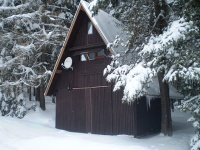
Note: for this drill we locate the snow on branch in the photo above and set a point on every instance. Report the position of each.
(25, 49)
(176, 31)
(132, 78)
(5, 7)
(170, 51)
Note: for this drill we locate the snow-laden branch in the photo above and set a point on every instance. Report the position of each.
(5, 7)
(176, 31)
(8, 63)
(25, 49)
(191, 104)
(164, 52)
(132, 78)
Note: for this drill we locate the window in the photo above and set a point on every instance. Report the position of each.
(83, 57)
(90, 28)
(89, 56)
(101, 53)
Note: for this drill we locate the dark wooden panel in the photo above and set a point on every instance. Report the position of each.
(89, 74)
(81, 80)
(66, 79)
(67, 99)
(142, 117)
(58, 111)
(63, 109)
(89, 47)
(123, 115)
(101, 111)
(78, 111)
(89, 107)
(155, 115)
(76, 29)
(88, 110)
(83, 38)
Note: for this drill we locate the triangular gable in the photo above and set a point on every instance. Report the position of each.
(107, 27)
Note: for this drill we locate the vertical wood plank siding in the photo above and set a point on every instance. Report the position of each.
(123, 115)
(83, 38)
(95, 109)
(91, 106)
(101, 111)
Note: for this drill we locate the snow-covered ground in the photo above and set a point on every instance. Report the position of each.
(36, 132)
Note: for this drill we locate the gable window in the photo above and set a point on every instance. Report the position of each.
(92, 55)
(90, 28)
(88, 56)
(83, 57)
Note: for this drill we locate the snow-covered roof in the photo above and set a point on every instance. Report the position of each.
(107, 26)
(154, 91)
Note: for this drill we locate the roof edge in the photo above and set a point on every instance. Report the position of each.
(63, 48)
(82, 6)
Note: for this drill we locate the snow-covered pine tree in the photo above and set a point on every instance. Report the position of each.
(168, 49)
(32, 34)
(141, 19)
(190, 83)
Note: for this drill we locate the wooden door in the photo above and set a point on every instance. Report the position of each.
(141, 117)
(123, 115)
(78, 111)
(101, 111)
(63, 109)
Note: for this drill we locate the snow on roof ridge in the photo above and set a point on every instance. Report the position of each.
(108, 25)
(95, 22)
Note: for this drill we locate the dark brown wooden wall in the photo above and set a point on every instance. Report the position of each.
(83, 38)
(123, 115)
(85, 101)
(91, 106)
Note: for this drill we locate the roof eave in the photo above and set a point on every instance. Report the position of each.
(62, 49)
(83, 7)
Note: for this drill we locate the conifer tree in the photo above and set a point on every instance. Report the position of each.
(32, 34)
(166, 48)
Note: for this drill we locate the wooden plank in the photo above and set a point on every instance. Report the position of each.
(88, 110)
(122, 115)
(142, 117)
(101, 112)
(89, 46)
(59, 71)
(78, 115)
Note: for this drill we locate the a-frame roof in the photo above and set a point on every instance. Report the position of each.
(107, 26)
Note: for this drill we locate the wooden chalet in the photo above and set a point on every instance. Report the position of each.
(85, 102)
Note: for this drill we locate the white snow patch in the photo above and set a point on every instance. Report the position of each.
(1, 25)
(62, 15)
(169, 1)
(176, 31)
(35, 26)
(92, 4)
(36, 132)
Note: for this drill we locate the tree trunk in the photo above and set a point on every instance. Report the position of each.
(42, 98)
(30, 94)
(166, 121)
(37, 94)
(42, 85)
(115, 2)
(34, 91)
